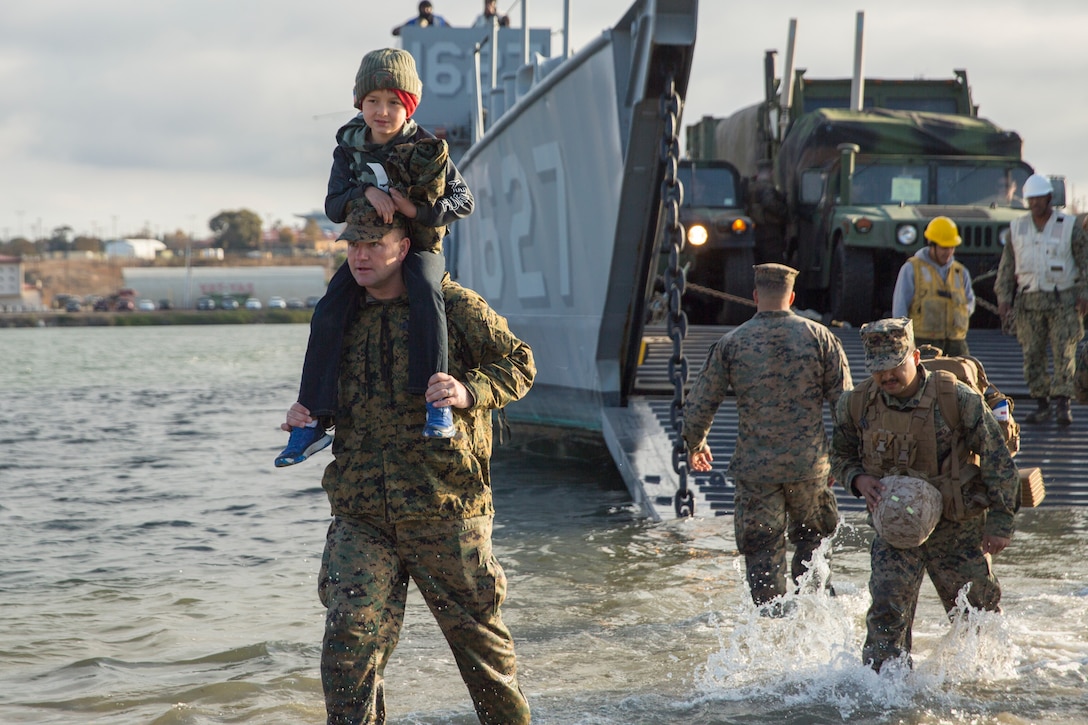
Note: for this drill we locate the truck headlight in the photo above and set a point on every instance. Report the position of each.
(697, 235)
(906, 234)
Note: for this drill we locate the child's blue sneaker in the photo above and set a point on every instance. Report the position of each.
(303, 443)
(439, 422)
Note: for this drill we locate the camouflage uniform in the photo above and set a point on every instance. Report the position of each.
(1046, 317)
(952, 555)
(405, 507)
(1080, 383)
(782, 368)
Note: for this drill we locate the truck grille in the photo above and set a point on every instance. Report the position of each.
(981, 237)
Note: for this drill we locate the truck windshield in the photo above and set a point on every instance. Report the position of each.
(708, 185)
(890, 184)
(965, 184)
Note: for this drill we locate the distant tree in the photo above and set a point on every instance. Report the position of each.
(87, 244)
(176, 241)
(310, 235)
(237, 231)
(60, 240)
(19, 247)
(287, 236)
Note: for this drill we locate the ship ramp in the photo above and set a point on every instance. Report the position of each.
(642, 441)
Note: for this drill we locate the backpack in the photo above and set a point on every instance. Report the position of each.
(962, 499)
(970, 371)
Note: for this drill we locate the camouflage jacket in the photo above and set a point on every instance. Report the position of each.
(383, 467)
(980, 430)
(782, 368)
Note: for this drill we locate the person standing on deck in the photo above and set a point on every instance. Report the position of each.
(1043, 278)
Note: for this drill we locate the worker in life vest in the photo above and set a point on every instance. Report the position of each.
(1043, 280)
(934, 291)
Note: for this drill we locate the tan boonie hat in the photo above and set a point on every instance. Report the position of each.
(366, 225)
(774, 276)
(908, 511)
(888, 343)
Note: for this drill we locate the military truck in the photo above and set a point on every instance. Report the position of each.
(861, 183)
(720, 245)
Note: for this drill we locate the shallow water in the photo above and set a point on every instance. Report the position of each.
(155, 568)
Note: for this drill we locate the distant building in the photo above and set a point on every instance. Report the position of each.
(11, 278)
(134, 248)
(327, 226)
(14, 294)
(182, 288)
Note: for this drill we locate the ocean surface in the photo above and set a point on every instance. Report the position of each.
(155, 568)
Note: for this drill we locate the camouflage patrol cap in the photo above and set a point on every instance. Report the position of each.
(774, 276)
(366, 225)
(887, 342)
(908, 511)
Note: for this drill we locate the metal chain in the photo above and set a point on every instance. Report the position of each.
(672, 194)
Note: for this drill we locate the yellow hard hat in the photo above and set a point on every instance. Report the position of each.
(942, 231)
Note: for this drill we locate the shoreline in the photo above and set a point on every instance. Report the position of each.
(58, 318)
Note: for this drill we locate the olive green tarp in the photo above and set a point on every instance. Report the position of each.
(814, 138)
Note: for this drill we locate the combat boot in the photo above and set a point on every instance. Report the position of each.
(1043, 414)
(1062, 411)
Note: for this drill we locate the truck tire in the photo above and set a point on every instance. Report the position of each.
(739, 282)
(851, 291)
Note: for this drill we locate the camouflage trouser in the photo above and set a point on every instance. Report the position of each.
(952, 555)
(761, 512)
(1042, 318)
(364, 583)
(1080, 382)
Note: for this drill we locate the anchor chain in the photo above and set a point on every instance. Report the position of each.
(672, 194)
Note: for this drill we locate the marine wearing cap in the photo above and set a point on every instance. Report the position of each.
(888, 343)
(774, 277)
(365, 224)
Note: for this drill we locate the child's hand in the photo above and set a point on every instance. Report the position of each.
(298, 416)
(404, 206)
(381, 202)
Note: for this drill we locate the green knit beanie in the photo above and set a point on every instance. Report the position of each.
(390, 68)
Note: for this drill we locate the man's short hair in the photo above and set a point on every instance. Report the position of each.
(774, 278)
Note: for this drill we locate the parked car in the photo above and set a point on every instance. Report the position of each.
(276, 303)
(146, 305)
(73, 305)
(166, 305)
(229, 303)
(295, 303)
(253, 303)
(312, 301)
(125, 304)
(205, 303)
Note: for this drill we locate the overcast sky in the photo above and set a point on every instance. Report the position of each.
(116, 114)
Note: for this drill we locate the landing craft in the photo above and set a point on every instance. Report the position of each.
(564, 157)
(574, 163)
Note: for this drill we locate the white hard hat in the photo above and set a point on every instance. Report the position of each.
(908, 511)
(1037, 185)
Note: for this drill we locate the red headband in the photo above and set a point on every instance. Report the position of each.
(410, 102)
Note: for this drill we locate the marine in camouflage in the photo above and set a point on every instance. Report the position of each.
(952, 555)
(405, 506)
(782, 367)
